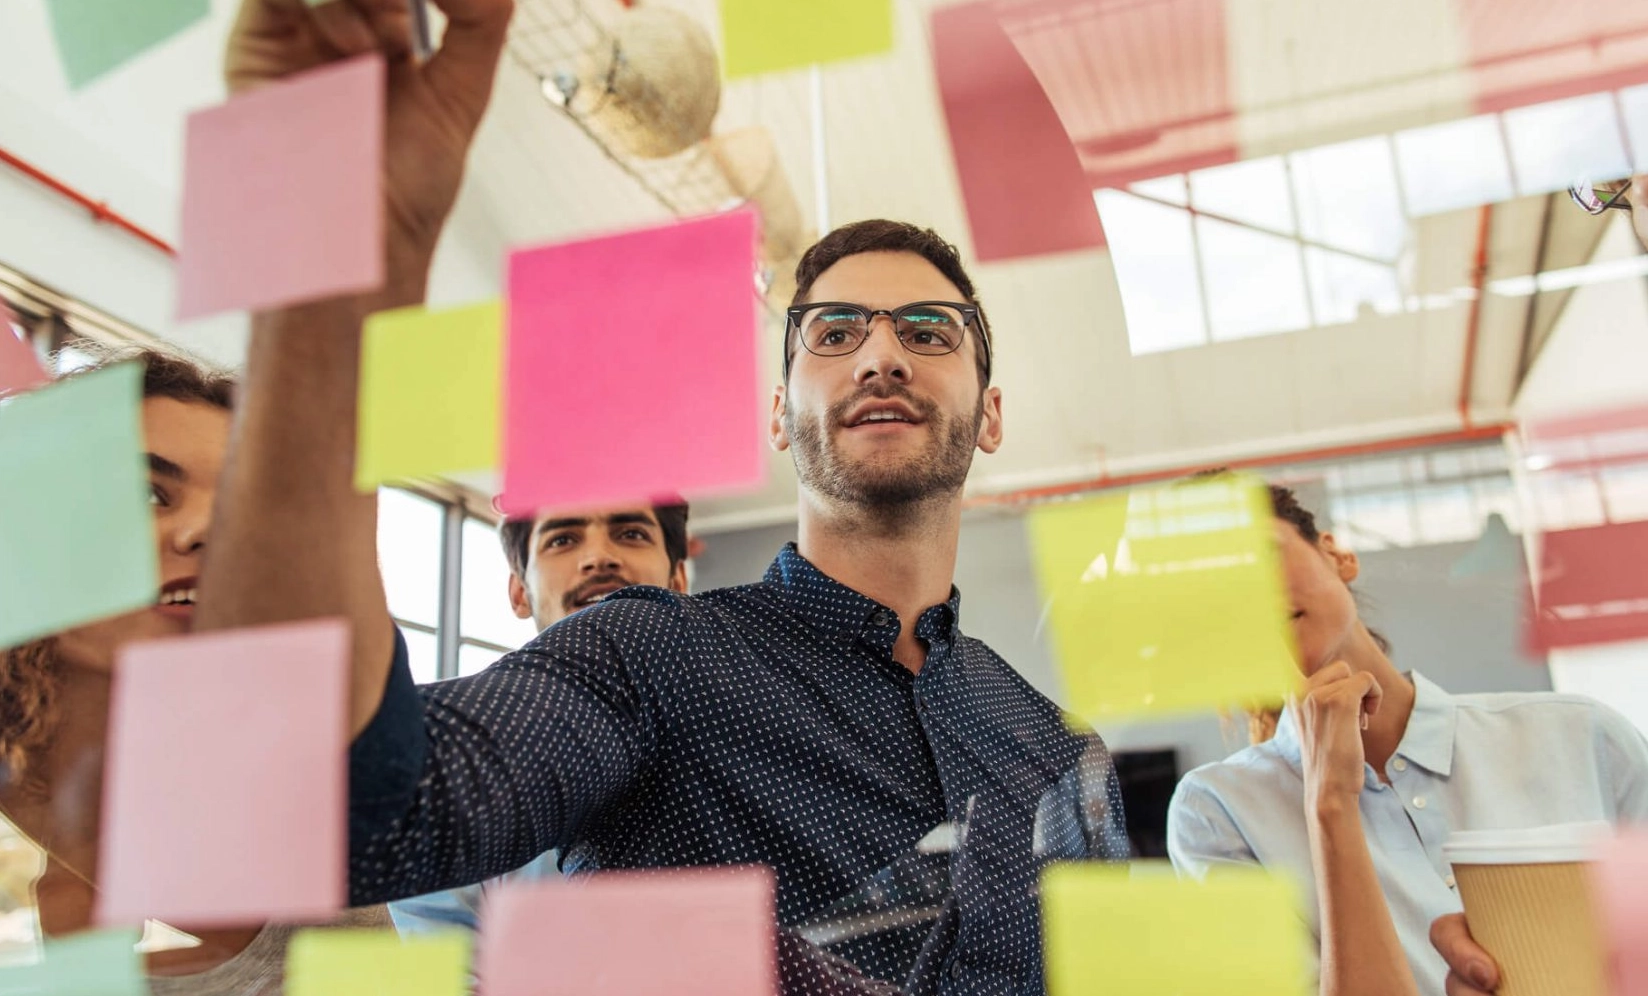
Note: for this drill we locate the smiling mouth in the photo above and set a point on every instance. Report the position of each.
(591, 594)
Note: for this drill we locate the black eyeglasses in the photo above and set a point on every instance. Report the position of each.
(1596, 198)
(926, 328)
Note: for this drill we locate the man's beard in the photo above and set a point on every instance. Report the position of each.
(880, 484)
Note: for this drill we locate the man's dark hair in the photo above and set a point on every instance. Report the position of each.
(880, 235)
(516, 537)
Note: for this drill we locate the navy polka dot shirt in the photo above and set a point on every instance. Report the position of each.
(764, 724)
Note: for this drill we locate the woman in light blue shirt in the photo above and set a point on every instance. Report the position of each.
(1371, 769)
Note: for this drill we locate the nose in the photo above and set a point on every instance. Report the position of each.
(599, 557)
(189, 528)
(882, 356)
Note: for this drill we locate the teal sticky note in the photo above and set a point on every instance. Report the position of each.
(90, 963)
(76, 532)
(95, 36)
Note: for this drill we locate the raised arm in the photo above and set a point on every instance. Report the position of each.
(292, 539)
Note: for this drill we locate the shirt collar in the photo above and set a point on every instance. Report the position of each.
(833, 607)
(1427, 742)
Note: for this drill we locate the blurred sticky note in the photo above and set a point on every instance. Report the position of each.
(1239, 933)
(362, 962)
(282, 199)
(764, 36)
(76, 531)
(632, 367)
(1619, 882)
(20, 370)
(1166, 600)
(224, 797)
(703, 932)
(430, 384)
(88, 963)
(95, 36)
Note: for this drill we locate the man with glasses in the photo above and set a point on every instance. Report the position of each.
(821, 722)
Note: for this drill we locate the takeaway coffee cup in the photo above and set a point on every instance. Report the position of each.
(1527, 899)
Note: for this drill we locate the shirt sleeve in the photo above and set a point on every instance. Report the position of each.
(463, 780)
(1201, 836)
(438, 911)
(1624, 757)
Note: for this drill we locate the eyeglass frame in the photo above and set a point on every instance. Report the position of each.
(1618, 200)
(971, 318)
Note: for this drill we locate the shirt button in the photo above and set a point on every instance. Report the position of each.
(955, 970)
(1449, 880)
(1419, 802)
(1399, 764)
(881, 617)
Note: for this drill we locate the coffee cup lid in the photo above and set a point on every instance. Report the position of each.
(1557, 843)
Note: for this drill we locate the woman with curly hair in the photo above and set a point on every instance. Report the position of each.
(54, 693)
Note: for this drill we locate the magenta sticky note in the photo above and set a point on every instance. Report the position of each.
(1619, 884)
(691, 932)
(282, 198)
(632, 367)
(224, 797)
(20, 370)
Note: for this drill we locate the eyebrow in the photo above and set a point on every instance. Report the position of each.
(166, 468)
(616, 519)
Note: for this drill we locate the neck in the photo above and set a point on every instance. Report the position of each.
(903, 558)
(1387, 726)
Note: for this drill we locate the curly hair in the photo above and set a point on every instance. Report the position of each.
(29, 674)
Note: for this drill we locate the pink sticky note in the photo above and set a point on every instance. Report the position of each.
(698, 932)
(632, 367)
(19, 369)
(282, 197)
(224, 796)
(1619, 882)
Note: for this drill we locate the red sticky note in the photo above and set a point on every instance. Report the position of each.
(19, 369)
(1619, 884)
(632, 367)
(224, 796)
(282, 199)
(697, 932)
(1593, 587)
(1024, 186)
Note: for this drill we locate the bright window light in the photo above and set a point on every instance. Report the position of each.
(1345, 288)
(1633, 104)
(1163, 188)
(1455, 165)
(1556, 143)
(1155, 260)
(1255, 281)
(1254, 191)
(409, 553)
(1348, 198)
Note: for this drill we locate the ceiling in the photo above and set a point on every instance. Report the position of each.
(1078, 403)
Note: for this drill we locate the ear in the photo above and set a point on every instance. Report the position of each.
(1344, 561)
(678, 578)
(777, 438)
(989, 435)
(518, 598)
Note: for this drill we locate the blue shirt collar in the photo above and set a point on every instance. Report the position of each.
(1427, 742)
(833, 607)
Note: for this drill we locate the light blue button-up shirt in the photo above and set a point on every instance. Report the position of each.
(1467, 762)
(442, 911)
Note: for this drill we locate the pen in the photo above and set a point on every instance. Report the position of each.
(420, 29)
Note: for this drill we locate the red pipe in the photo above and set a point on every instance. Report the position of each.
(1468, 434)
(1473, 325)
(99, 209)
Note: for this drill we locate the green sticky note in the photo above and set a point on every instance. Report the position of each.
(76, 532)
(377, 963)
(429, 393)
(95, 36)
(90, 963)
(1166, 600)
(1105, 930)
(765, 36)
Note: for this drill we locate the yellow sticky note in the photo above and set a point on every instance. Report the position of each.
(1107, 931)
(429, 393)
(1166, 600)
(765, 36)
(369, 962)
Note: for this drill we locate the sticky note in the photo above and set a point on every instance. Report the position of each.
(88, 963)
(95, 36)
(765, 36)
(368, 962)
(76, 533)
(632, 367)
(224, 796)
(20, 370)
(430, 384)
(1239, 933)
(1619, 887)
(1166, 600)
(703, 932)
(282, 199)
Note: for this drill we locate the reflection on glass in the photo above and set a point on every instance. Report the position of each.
(1563, 500)
(423, 654)
(1454, 165)
(1625, 489)
(1163, 188)
(1348, 198)
(1633, 104)
(485, 610)
(1255, 281)
(473, 659)
(1254, 191)
(409, 553)
(1155, 259)
(1446, 514)
(1345, 288)
(1553, 144)
(1376, 521)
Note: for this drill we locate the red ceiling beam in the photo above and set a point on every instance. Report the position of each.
(100, 210)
